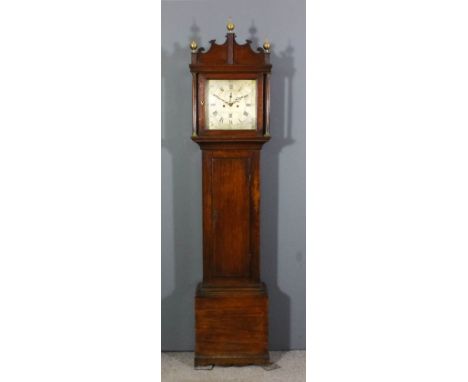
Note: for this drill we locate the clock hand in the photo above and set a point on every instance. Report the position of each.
(226, 102)
(239, 98)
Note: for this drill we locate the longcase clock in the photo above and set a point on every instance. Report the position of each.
(231, 107)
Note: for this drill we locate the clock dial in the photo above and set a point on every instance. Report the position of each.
(231, 104)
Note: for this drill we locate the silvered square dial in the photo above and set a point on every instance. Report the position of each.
(231, 104)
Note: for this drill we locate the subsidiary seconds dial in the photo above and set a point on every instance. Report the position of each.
(231, 104)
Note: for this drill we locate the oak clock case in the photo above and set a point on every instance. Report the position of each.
(231, 101)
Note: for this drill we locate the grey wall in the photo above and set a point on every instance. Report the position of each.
(282, 168)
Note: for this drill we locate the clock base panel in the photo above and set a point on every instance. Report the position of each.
(231, 327)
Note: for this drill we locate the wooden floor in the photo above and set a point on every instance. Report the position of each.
(287, 366)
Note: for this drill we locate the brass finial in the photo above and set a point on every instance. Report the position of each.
(193, 46)
(266, 45)
(230, 25)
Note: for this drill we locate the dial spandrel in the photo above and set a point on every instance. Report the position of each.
(231, 104)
